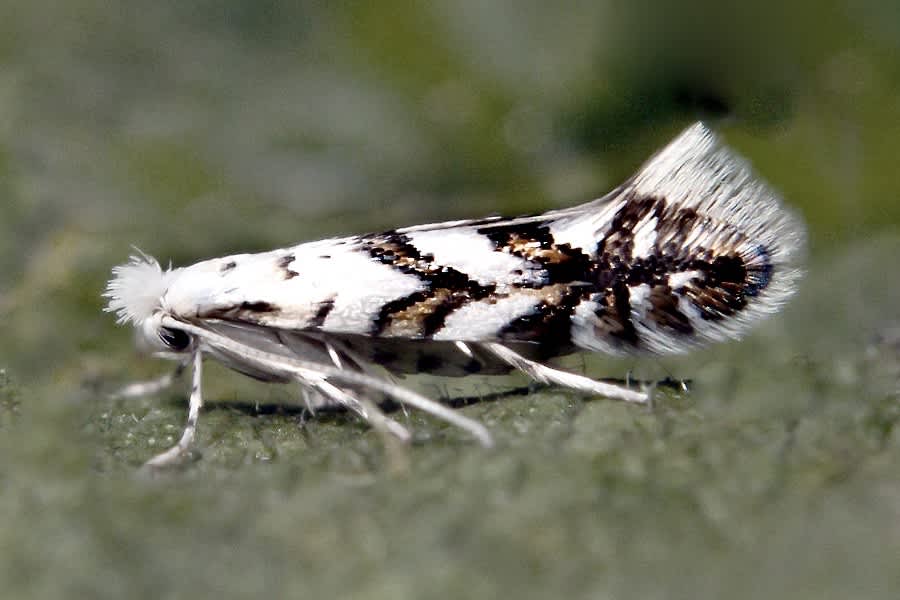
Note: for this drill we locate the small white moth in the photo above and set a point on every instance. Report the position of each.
(692, 249)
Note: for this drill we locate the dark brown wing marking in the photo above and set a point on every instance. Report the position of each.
(245, 311)
(322, 313)
(534, 242)
(724, 282)
(423, 313)
(606, 275)
(284, 263)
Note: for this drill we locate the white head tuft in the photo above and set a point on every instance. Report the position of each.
(136, 288)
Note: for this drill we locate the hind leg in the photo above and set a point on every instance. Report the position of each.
(544, 374)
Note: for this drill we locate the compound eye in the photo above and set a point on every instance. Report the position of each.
(175, 339)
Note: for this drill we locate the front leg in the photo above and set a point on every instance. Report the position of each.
(177, 452)
(138, 389)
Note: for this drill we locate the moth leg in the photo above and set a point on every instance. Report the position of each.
(308, 402)
(333, 354)
(139, 389)
(357, 362)
(366, 409)
(408, 397)
(405, 397)
(176, 453)
(312, 373)
(402, 395)
(544, 374)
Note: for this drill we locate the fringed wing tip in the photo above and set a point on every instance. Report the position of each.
(697, 170)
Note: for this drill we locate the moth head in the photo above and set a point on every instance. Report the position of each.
(135, 294)
(162, 340)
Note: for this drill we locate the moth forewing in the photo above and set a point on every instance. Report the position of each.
(692, 249)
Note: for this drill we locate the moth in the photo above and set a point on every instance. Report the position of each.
(691, 249)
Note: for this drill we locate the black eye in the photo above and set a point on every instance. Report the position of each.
(174, 338)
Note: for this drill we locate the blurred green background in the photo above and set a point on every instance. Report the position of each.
(196, 129)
